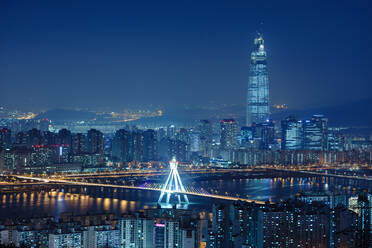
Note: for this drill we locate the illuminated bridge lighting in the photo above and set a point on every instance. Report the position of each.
(173, 184)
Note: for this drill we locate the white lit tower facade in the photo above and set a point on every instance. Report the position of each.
(173, 185)
(258, 108)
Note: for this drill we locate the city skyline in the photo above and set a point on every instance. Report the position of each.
(123, 54)
(190, 124)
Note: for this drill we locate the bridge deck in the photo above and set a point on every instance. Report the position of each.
(221, 197)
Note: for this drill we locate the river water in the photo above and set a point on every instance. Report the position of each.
(53, 203)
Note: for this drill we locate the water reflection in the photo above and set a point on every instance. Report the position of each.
(81, 201)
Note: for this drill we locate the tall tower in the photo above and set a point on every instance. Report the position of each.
(258, 109)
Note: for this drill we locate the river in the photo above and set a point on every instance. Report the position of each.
(53, 203)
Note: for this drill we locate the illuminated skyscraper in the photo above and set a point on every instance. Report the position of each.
(136, 231)
(258, 109)
(291, 134)
(205, 137)
(315, 133)
(229, 134)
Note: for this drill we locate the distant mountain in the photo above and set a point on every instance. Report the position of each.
(357, 114)
(67, 115)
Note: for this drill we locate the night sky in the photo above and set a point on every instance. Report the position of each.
(127, 53)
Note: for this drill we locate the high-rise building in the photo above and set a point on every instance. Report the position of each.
(65, 138)
(246, 225)
(258, 109)
(315, 133)
(236, 225)
(342, 227)
(294, 224)
(95, 142)
(220, 226)
(194, 141)
(71, 239)
(336, 140)
(291, 134)
(136, 232)
(149, 145)
(49, 138)
(187, 238)
(159, 235)
(34, 138)
(100, 236)
(28, 237)
(183, 135)
(121, 146)
(137, 139)
(161, 134)
(205, 137)
(229, 133)
(265, 133)
(20, 139)
(170, 232)
(169, 148)
(246, 136)
(171, 131)
(364, 220)
(79, 143)
(5, 141)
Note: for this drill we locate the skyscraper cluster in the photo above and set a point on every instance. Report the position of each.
(290, 141)
(150, 145)
(37, 151)
(229, 133)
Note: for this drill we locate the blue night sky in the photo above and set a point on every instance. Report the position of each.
(120, 53)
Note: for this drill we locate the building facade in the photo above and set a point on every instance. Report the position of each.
(258, 108)
(291, 134)
(315, 133)
(205, 137)
(229, 134)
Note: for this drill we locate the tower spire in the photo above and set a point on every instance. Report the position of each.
(260, 29)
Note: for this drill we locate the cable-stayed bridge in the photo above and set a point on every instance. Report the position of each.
(172, 187)
(151, 187)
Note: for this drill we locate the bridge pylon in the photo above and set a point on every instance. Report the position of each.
(173, 185)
